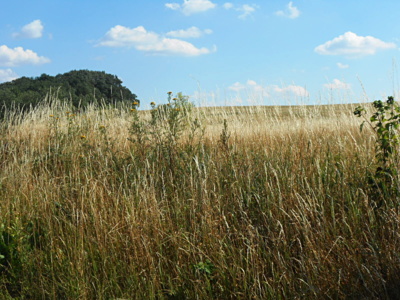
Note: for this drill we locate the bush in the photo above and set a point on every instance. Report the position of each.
(384, 122)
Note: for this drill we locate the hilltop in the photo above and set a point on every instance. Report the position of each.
(80, 87)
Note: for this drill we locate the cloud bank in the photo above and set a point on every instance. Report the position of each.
(255, 88)
(351, 45)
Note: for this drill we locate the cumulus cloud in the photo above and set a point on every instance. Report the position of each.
(351, 45)
(192, 32)
(291, 12)
(189, 7)
(292, 89)
(7, 75)
(337, 85)
(19, 56)
(342, 66)
(121, 36)
(32, 30)
(151, 42)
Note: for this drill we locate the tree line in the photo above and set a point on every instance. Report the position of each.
(80, 87)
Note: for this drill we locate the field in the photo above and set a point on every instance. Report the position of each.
(213, 203)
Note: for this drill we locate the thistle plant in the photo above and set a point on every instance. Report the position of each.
(138, 127)
(166, 125)
(224, 137)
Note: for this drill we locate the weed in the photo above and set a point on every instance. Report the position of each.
(385, 124)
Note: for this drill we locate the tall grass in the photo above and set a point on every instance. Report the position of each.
(259, 202)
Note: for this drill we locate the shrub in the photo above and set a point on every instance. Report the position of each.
(384, 122)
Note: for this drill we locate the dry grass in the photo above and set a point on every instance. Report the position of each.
(274, 206)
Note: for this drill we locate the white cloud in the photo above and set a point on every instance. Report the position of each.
(342, 66)
(256, 87)
(250, 92)
(227, 5)
(151, 42)
(237, 87)
(337, 85)
(32, 30)
(257, 90)
(173, 6)
(351, 45)
(250, 86)
(189, 7)
(120, 36)
(246, 10)
(192, 32)
(292, 89)
(18, 56)
(7, 75)
(291, 12)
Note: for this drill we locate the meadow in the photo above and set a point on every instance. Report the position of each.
(203, 203)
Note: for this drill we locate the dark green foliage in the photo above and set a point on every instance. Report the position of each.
(17, 242)
(385, 123)
(80, 87)
(206, 268)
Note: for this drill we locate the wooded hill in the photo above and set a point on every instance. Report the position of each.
(80, 87)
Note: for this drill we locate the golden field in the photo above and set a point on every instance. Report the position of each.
(216, 203)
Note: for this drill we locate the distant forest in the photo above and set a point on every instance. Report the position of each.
(80, 87)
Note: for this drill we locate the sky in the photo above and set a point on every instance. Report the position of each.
(271, 52)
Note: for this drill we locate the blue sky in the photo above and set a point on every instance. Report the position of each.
(218, 52)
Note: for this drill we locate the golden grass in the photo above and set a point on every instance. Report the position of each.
(279, 209)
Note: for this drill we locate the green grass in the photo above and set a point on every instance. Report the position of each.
(275, 205)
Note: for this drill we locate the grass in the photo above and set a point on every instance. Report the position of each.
(272, 203)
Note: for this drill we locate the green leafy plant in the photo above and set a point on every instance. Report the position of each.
(166, 123)
(385, 124)
(173, 116)
(138, 128)
(224, 137)
(206, 267)
(17, 242)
